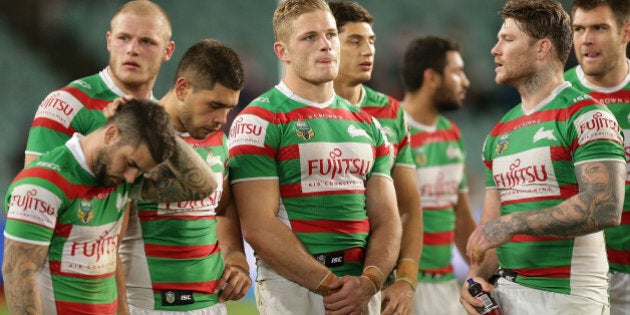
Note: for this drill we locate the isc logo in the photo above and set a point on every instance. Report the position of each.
(185, 298)
(337, 260)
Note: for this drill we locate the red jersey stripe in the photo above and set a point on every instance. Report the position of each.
(88, 101)
(54, 125)
(330, 226)
(439, 238)
(530, 238)
(550, 272)
(621, 257)
(443, 270)
(180, 251)
(560, 114)
(73, 308)
(201, 287)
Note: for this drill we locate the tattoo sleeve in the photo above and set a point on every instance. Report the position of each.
(185, 176)
(21, 262)
(597, 206)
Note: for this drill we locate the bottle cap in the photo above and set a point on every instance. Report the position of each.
(470, 281)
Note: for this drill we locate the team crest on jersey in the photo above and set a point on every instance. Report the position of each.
(170, 297)
(421, 157)
(304, 130)
(86, 211)
(503, 144)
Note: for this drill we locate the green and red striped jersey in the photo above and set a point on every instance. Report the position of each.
(530, 158)
(390, 115)
(57, 202)
(322, 155)
(439, 157)
(77, 107)
(618, 101)
(165, 239)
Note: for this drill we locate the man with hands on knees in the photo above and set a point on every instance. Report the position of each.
(555, 177)
(310, 177)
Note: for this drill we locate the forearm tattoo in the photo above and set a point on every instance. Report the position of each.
(21, 262)
(161, 185)
(597, 206)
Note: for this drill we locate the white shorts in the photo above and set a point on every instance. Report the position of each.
(278, 296)
(440, 298)
(217, 309)
(516, 299)
(619, 293)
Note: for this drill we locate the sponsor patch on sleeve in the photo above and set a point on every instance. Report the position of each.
(248, 130)
(33, 204)
(59, 106)
(597, 125)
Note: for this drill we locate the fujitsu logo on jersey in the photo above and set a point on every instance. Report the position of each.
(241, 127)
(30, 202)
(337, 164)
(105, 244)
(248, 129)
(597, 122)
(207, 203)
(55, 101)
(519, 175)
(441, 187)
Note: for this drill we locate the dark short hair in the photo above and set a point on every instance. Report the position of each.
(542, 19)
(349, 12)
(209, 62)
(620, 8)
(144, 121)
(425, 53)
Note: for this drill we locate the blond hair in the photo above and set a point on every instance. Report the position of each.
(144, 8)
(289, 10)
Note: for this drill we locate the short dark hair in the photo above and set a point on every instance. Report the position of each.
(542, 19)
(425, 53)
(349, 12)
(208, 62)
(144, 121)
(620, 8)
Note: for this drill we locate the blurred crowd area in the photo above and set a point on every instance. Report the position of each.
(47, 43)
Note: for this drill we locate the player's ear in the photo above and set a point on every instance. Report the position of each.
(280, 49)
(168, 51)
(544, 48)
(111, 135)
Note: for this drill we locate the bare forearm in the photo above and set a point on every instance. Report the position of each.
(229, 233)
(279, 248)
(191, 169)
(383, 247)
(486, 268)
(21, 262)
(410, 210)
(597, 206)
(464, 225)
(185, 176)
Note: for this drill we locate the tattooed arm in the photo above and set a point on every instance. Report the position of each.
(21, 262)
(184, 176)
(597, 206)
